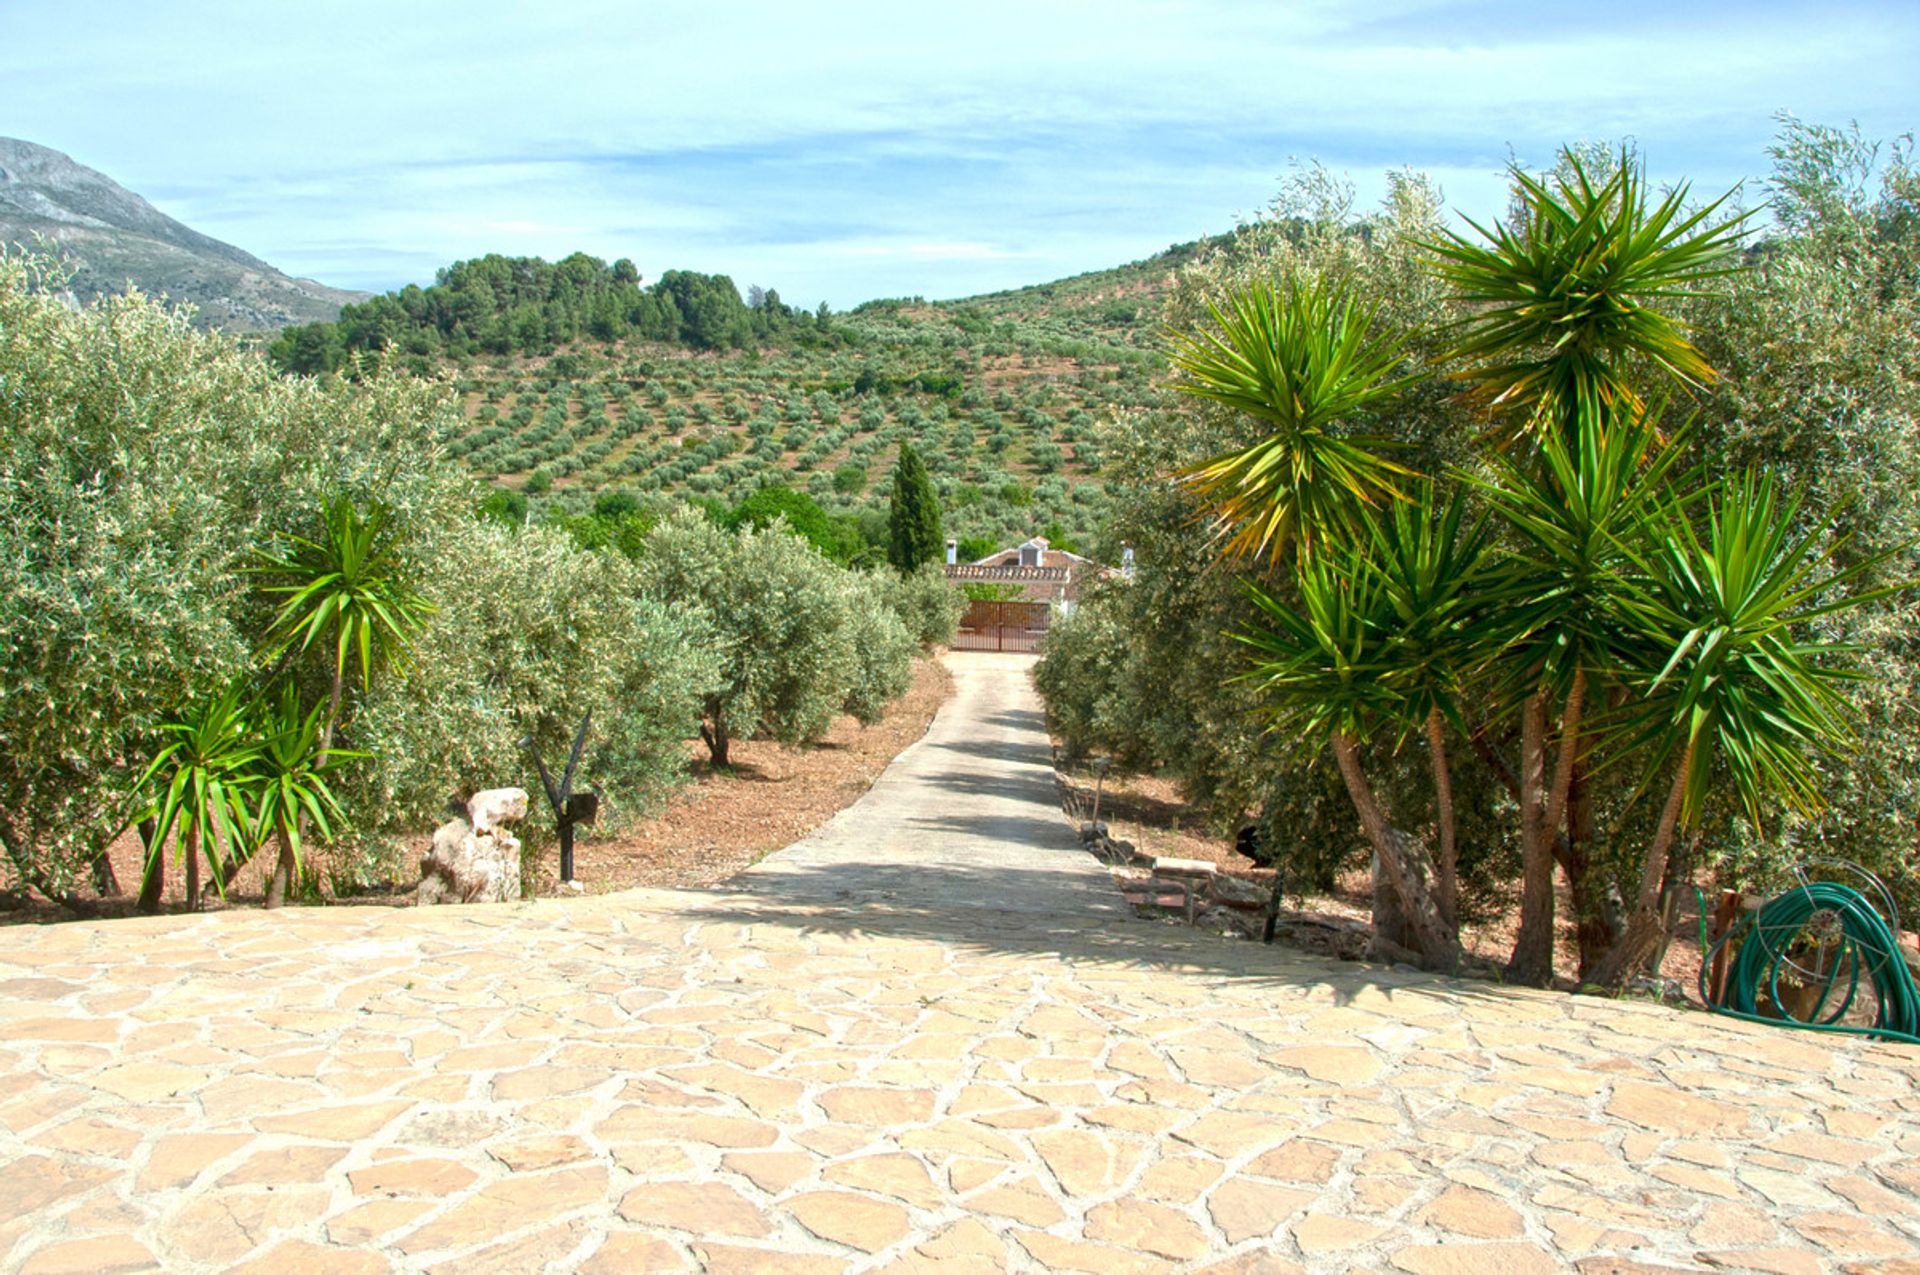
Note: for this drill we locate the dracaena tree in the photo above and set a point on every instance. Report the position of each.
(1564, 305)
(1586, 278)
(346, 591)
(1586, 638)
(1348, 591)
(1443, 619)
(291, 783)
(1303, 364)
(1733, 688)
(201, 779)
(1574, 519)
(1381, 635)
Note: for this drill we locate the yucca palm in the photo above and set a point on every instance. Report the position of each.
(1562, 305)
(1444, 612)
(198, 782)
(290, 785)
(1736, 693)
(1576, 519)
(1383, 634)
(1306, 363)
(344, 590)
(1563, 301)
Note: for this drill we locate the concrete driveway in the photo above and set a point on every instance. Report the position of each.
(968, 817)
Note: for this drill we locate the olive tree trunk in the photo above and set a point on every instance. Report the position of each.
(714, 733)
(1543, 809)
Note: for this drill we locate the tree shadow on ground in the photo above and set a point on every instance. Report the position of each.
(1034, 911)
(1007, 751)
(1032, 789)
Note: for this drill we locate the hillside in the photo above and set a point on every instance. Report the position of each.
(690, 391)
(114, 236)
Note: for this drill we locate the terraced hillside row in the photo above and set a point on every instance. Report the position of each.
(1001, 395)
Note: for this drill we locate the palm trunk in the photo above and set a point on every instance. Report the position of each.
(1570, 748)
(1446, 886)
(1596, 921)
(283, 869)
(190, 847)
(1532, 959)
(153, 884)
(1405, 863)
(1533, 947)
(1641, 937)
(333, 711)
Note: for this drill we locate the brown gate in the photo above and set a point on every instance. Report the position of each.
(1002, 626)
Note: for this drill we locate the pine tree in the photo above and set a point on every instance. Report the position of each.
(913, 522)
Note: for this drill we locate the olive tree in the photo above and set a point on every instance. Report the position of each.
(798, 640)
(142, 464)
(146, 467)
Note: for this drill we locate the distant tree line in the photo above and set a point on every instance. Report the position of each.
(504, 305)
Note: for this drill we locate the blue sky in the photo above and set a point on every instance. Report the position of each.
(849, 150)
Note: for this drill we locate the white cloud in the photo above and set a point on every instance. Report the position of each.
(966, 147)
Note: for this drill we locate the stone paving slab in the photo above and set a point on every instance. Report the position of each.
(867, 1061)
(682, 1081)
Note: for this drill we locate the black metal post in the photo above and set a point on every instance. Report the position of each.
(568, 809)
(1273, 902)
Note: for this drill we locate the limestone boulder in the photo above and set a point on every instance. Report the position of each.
(495, 807)
(476, 862)
(1236, 893)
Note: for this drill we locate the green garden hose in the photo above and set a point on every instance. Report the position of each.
(1861, 953)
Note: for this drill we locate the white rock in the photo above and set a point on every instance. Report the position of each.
(496, 806)
(466, 866)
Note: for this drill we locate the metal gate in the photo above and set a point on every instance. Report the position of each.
(1002, 626)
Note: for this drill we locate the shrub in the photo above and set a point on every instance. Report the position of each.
(883, 646)
(1082, 678)
(144, 465)
(531, 635)
(783, 623)
(925, 602)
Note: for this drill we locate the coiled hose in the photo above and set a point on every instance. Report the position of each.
(1860, 946)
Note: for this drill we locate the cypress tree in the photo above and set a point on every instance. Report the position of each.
(913, 521)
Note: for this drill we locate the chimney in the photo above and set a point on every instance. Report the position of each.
(953, 552)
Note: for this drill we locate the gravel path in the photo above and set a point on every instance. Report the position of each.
(785, 1079)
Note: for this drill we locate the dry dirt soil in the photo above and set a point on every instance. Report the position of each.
(1151, 813)
(719, 823)
(771, 796)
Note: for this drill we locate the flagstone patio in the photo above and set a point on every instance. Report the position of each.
(784, 1079)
